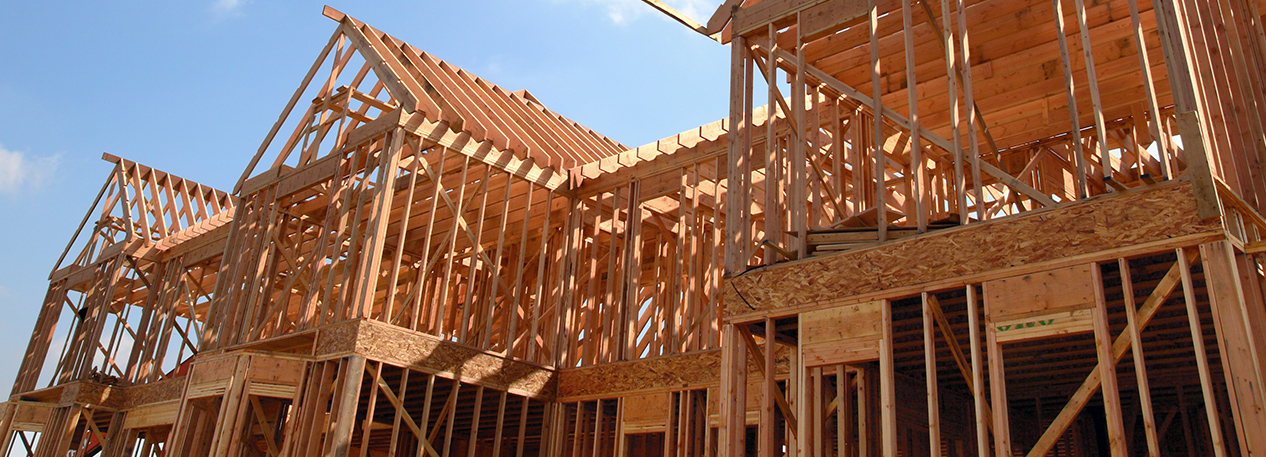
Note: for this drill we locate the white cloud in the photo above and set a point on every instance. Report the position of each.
(224, 7)
(19, 171)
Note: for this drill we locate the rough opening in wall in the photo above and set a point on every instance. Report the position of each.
(407, 412)
(681, 423)
(147, 441)
(27, 441)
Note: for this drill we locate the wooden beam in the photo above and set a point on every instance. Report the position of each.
(390, 71)
(722, 16)
(439, 133)
(678, 16)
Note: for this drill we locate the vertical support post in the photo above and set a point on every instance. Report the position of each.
(1107, 367)
(737, 167)
(1149, 87)
(887, 382)
(969, 100)
(877, 134)
(621, 448)
(977, 374)
(379, 218)
(233, 407)
(1202, 357)
(1101, 132)
(343, 417)
(773, 160)
(1140, 363)
(1236, 345)
(797, 183)
(1079, 154)
(61, 434)
(1188, 110)
(951, 74)
(733, 391)
(997, 388)
(865, 399)
(843, 412)
(798, 442)
(912, 96)
(929, 366)
(768, 439)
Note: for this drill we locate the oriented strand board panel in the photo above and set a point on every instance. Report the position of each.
(417, 351)
(661, 374)
(843, 334)
(1102, 227)
(91, 393)
(692, 370)
(337, 339)
(155, 392)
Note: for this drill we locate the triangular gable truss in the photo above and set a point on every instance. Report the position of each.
(418, 89)
(139, 206)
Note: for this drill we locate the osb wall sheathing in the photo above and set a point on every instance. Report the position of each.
(91, 393)
(30, 416)
(337, 339)
(155, 392)
(1160, 217)
(695, 370)
(416, 351)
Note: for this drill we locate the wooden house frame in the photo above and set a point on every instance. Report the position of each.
(926, 228)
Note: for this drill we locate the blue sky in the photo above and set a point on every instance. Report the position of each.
(192, 87)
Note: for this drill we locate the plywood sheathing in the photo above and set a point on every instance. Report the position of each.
(695, 370)
(91, 393)
(29, 416)
(155, 392)
(1098, 228)
(336, 340)
(681, 372)
(424, 353)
